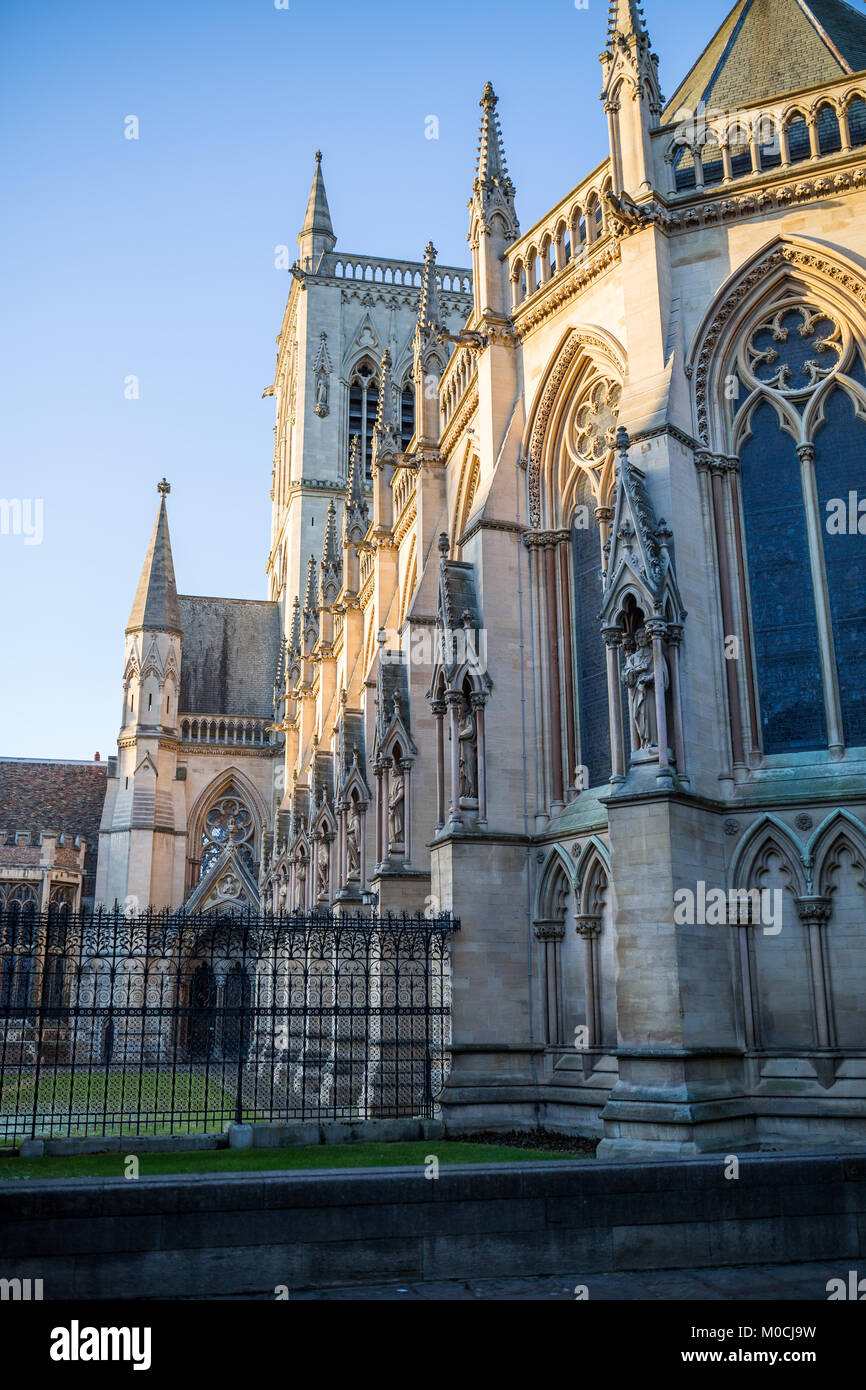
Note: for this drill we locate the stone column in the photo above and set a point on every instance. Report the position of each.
(588, 928)
(832, 703)
(453, 702)
(562, 552)
(815, 913)
(439, 715)
(478, 703)
(657, 632)
(727, 167)
(751, 1016)
(845, 129)
(406, 769)
(380, 844)
(362, 857)
(553, 658)
(675, 637)
(551, 934)
(718, 511)
(784, 147)
(612, 639)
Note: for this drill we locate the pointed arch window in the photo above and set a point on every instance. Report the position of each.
(363, 405)
(857, 122)
(802, 449)
(407, 412)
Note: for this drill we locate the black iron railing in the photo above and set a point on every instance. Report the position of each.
(163, 1023)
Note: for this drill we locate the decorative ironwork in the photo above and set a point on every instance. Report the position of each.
(172, 1023)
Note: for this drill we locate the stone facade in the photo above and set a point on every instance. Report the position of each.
(557, 637)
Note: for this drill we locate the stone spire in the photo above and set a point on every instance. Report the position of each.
(311, 611)
(293, 651)
(491, 170)
(385, 434)
(632, 98)
(356, 516)
(429, 314)
(331, 564)
(155, 608)
(492, 190)
(317, 233)
(625, 17)
(493, 223)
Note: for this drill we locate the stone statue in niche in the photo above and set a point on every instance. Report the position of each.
(322, 871)
(467, 736)
(639, 678)
(281, 896)
(353, 841)
(323, 390)
(301, 883)
(396, 805)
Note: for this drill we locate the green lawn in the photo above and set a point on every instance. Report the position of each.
(272, 1160)
(75, 1103)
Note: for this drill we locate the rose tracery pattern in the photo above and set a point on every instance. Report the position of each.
(795, 349)
(228, 822)
(595, 421)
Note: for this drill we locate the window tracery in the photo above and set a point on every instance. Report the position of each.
(228, 822)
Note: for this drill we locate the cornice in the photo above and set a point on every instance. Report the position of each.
(483, 524)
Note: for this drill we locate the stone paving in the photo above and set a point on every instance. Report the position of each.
(744, 1283)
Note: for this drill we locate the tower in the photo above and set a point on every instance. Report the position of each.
(632, 98)
(493, 220)
(142, 836)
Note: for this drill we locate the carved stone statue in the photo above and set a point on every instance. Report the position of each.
(353, 841)
(323, 867)
(396, 803)
(467, 735)
(639, 677)
(322, 393)
(301, 883)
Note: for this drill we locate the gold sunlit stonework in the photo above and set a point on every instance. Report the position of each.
(554, 628)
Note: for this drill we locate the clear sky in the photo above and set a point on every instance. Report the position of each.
(154, 258)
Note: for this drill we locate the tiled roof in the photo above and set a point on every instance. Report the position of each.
(38, 794)
(231, 648)
(766, 48)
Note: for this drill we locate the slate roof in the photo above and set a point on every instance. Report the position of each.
(231, 651)
(766, 48)
(40, 794)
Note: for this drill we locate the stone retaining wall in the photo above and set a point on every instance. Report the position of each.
(244, 1235)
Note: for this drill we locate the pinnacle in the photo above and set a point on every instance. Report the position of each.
(155, 607)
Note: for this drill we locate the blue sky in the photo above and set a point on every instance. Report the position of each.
(154, 258)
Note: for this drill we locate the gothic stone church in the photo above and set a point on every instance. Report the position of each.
(565, 626)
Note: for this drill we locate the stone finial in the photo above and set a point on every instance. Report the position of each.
(163, 488)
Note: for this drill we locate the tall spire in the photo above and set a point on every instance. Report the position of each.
(155, 608)
(428, 302)
(385, 434)
(311, 611)
(632, 98)
(356, 515)
(317, 233)
(492, 190)
(293, 651)
(331, 564)
(625, 17)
